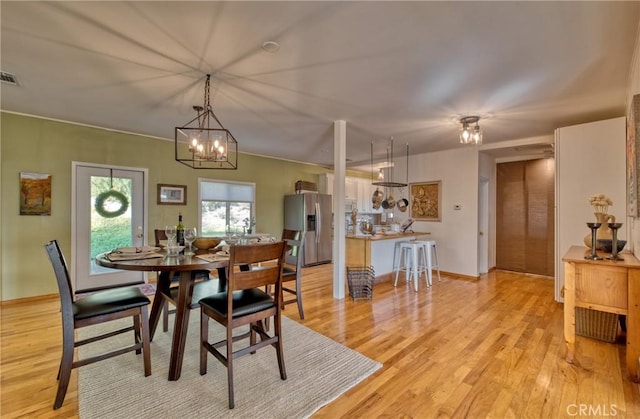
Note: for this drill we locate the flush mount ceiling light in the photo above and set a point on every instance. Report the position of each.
(470, 134)
(209, 145)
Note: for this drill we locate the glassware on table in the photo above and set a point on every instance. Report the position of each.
(190, 235)
(170, 232)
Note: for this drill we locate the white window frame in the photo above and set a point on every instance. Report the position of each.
(202, 181)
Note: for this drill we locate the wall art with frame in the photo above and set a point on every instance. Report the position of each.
(633, 158)
(426, 201)
(172, 194)
(35, 193)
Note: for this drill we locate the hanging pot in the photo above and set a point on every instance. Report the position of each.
(390, 201)
(376, 200)
(402, 204)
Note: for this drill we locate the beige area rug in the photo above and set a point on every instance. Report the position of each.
(318, 371)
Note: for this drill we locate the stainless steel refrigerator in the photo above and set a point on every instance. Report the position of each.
(311, 213)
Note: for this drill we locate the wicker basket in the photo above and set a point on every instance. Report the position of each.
(303, 185)
(360, 280)
(596, 324)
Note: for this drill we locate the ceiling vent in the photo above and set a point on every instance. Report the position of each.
(8, 78)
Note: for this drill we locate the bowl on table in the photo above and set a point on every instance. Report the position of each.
(606, 245)
(173, 250)
(206, 243)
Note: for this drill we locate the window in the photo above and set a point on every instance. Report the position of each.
(225, 207)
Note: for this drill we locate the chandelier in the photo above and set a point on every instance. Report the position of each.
(209, 145)
(470, 134)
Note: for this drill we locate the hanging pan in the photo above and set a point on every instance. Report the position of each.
(402, 204)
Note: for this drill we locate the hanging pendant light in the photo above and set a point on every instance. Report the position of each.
(204, 143)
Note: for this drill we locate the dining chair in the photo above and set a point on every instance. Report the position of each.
(160, 235)
(99, 307)
(292, 270)
(245, 303)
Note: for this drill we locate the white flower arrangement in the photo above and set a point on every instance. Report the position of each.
(600, 203)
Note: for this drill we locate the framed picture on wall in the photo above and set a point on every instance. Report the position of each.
(35, 193)
(633, 160)
(425, 200)
(172, 194)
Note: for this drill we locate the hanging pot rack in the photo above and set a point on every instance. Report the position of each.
(389, 183)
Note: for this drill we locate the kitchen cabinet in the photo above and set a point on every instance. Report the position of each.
(365, 193)
(357, 190)
(364, 200)
(351, 189)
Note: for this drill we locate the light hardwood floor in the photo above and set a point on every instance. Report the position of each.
(491, 347)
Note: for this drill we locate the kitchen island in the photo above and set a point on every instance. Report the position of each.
(376, 250)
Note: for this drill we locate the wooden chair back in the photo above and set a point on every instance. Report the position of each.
(61, 272)
(159, 235)
(294, 240)
(254, 254)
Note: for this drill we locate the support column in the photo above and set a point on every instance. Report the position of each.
(339, 231)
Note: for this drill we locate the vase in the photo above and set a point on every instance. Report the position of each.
(604, 232)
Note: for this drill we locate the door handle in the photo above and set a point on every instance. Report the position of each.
(318, 223)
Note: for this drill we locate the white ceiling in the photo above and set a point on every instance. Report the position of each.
(408, 70)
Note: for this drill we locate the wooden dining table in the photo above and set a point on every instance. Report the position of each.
(167, 266)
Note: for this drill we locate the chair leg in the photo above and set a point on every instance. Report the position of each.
(165, 316)
(300, 310)
(66, 364)
(146, 340)
(204, 337)
(299, 296)
(252, 332)
(137, 336)
(395, 283)
(277, 321)
(437, 263)
(232, 403)
(416, 268)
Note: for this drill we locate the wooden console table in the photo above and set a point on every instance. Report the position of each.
(604, 285)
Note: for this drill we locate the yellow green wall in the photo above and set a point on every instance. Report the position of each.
(38, 145)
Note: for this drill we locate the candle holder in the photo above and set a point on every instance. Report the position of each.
(614, 241)
(594, 228)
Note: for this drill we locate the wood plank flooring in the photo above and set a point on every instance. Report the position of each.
(487, 348)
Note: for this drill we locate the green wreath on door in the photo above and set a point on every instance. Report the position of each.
(106, 196)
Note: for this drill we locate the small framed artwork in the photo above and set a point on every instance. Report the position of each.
(35, 193)
(426, 199)
(172, 194)
(633, 157)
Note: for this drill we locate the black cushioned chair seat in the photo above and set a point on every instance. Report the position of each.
(287, 271)
(109, 301)
(244, 302)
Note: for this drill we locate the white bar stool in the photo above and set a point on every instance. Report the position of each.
(397, 257)
(431, 252)
(411, 252)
